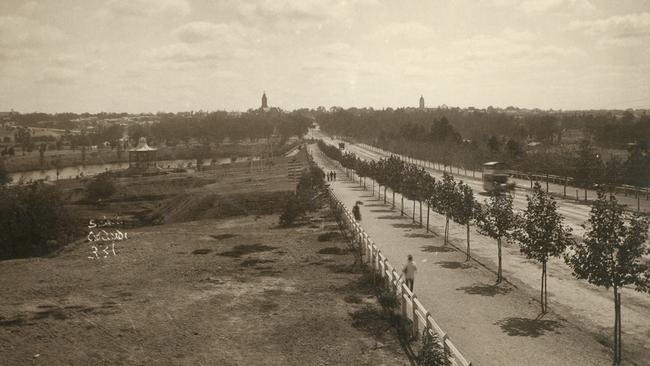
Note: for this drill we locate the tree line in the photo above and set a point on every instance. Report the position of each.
(610, 255)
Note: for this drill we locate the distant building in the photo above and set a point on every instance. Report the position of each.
(265, 104)
(421, 102)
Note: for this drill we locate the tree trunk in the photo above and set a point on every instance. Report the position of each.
(620, 331)
(420, 202)
(384, 194)
(402, 205)
(393, 199)
(542, 288)
(414, 211)
(499, 273)
(468, 256)
(428, 209)
(617, 327)
(373, 187)
(446, 229)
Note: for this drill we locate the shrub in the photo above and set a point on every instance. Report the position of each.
(309, 186)
(292, 210)
(5, 178)
(34, 221)
(432, 353)
(100, 188)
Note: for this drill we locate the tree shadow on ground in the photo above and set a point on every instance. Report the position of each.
(435, 249)
(427, 236)
(406, 226)
(453, 265)
(523, 327)
(485, 290)
(375, 205)
(367, 196)
(389, 217)
(382, 210)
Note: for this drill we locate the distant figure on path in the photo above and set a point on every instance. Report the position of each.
(409, 272)
(334, 173)
(356, 211)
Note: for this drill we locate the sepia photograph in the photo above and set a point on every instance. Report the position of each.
(325, 182)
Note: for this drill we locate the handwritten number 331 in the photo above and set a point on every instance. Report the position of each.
(105, 251)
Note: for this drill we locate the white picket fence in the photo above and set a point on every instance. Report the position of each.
(411, 307)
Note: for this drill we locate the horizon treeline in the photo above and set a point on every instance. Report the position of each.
(470, 138)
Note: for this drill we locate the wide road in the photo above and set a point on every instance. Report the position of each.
(575, 212)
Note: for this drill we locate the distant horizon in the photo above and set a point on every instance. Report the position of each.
(642, 109)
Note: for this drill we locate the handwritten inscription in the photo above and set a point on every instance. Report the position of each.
(103, 240)
(103, 235)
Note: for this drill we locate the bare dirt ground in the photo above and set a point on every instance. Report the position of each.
(236, 291)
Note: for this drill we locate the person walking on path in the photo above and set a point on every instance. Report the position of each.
(356, 211)
(409, 272)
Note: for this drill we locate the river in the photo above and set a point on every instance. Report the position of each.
(72, 172)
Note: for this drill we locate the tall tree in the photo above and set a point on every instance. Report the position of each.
(542, 235)
(447, 200)
(588, 167)
(637, 166)
(24, 138)
(497, 220)
(465, 209)
(611, 255)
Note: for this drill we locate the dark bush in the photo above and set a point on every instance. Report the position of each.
(432, 353)
(34, 221)
(292, 210)
(100, 188)
(5, 178)
(311, 183)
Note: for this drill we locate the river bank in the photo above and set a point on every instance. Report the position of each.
(76, 158)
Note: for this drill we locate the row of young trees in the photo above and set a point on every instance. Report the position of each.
(610, 254)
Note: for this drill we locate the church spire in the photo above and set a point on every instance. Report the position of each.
(421, 102)
(264, 101)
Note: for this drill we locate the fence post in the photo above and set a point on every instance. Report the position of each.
(546, 183)
(443, 338)
(416, 326)
(404, 301)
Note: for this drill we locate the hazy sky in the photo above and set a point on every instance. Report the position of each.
(176, 55)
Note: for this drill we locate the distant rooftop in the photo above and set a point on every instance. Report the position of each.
(143, 146)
